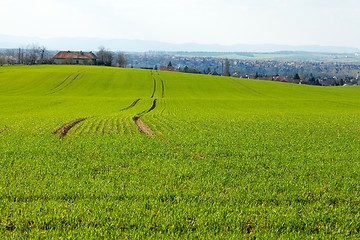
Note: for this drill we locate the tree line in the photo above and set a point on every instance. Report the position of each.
(106, 57)
(35, 54)
(32, 54)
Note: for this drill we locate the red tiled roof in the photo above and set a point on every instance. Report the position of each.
(75, 55)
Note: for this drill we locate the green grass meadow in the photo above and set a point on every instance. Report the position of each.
(229, 158)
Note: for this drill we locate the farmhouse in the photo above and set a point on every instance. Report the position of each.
(68, 57)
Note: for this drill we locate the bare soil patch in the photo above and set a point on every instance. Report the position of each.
(143, 127)
(63, 131)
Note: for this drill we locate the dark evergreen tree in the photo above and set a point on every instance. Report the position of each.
(297, 76)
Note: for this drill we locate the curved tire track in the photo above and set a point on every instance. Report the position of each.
(64, 84)
(101, 126)
(154, 90)
(162, 88)
(131, 105)
(143, 127)
(64, 130)
(251, 89)
(59, 85)
(153, 106)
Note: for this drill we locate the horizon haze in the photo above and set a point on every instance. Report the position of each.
(179, 22)
(135, 45)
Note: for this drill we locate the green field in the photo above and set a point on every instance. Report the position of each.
(217, 158)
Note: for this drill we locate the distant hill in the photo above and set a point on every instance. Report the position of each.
(88, 44)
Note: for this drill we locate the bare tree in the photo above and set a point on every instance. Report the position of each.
(105, 56)
(121, 59)
(2, 60)
(43, 54)
(11, 56)
(33, 54)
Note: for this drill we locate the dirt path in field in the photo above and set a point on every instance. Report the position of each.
(63, 131)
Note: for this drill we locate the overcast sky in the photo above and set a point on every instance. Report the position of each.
(292, 22)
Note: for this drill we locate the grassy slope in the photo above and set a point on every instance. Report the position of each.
(230, 158)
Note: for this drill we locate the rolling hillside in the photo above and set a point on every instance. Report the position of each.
(101, 152)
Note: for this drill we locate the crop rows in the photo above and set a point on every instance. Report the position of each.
(105, 126)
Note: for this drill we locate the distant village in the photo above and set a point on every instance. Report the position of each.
(299, 72)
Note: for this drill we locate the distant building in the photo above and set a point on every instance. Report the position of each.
(82, 58)
(281, 79)
(169, 67)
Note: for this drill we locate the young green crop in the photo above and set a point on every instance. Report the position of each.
(230, 158)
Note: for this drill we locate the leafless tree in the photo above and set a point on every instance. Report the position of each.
(105, 56)
(33, 54)
(11, 56)
(2, 60)
(121, 59)
(43, 54)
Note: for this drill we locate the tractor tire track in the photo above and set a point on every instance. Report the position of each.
(162, 88)
(64, 84)
(153, 106)
(162, 85)
(142, 127)
(154, 90)
(251, 89)
(131, 105)
(64, 130)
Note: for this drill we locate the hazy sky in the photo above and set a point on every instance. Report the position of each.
(293, 22)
